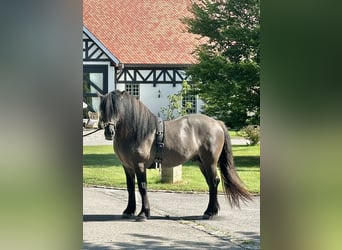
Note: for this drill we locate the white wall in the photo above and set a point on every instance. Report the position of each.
(120, 86)
(149, 95)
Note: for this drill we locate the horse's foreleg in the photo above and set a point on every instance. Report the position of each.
(130, 181)
(142, 184)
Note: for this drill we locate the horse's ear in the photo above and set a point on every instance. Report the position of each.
(99, 94)
(123, 92)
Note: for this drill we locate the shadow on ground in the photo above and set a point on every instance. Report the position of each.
(101, 160)
(110, 217)
(143, 241)
(247, 161)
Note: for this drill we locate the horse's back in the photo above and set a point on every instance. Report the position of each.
(209, 132)
(197, 123)
(189, 135)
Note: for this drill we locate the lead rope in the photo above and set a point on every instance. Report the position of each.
(92, 132)
(105, 125)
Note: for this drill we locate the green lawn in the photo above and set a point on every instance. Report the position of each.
(233, 134)
(101, 167)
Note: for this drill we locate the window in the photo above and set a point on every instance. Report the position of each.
(133, 89)
(190, 102)
(95, 79)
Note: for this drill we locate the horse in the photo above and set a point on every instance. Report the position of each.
(133, 127)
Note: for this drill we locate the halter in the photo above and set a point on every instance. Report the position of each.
(106, 124)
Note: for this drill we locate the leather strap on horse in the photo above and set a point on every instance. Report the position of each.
(159, 142)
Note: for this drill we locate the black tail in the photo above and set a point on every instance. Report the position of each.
(231, 182)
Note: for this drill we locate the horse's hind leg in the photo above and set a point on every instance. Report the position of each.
(210, 174)
(130, 181)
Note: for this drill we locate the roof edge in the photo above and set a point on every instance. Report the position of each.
(105, 50)
(156, 65)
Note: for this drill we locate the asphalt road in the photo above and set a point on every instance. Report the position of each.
(175, 223)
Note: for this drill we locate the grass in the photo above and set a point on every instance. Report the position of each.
(101, 167)
(234, 134)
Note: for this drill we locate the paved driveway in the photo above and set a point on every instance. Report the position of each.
(175, 222)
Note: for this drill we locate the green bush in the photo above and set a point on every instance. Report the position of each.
(251, 133)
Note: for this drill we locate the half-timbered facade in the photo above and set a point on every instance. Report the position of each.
(137, 46)
(99, 69)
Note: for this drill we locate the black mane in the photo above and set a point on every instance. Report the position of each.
(132, 116)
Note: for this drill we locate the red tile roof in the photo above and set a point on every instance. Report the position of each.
(142, 31)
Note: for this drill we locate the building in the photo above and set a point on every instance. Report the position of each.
(140, 46)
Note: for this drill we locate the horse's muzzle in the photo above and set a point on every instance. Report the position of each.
(109, 132)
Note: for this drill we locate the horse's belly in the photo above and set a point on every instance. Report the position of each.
(172, 158)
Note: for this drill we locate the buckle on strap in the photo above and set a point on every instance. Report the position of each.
(159, 140)
(160, 132)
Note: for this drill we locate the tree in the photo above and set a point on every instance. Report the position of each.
(175, 107)
(227, 75)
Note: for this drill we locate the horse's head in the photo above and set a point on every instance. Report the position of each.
(109, 131)
(109, 115)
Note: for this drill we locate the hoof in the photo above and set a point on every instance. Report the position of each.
(127, 216)
(207, 217)
(141, 218)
